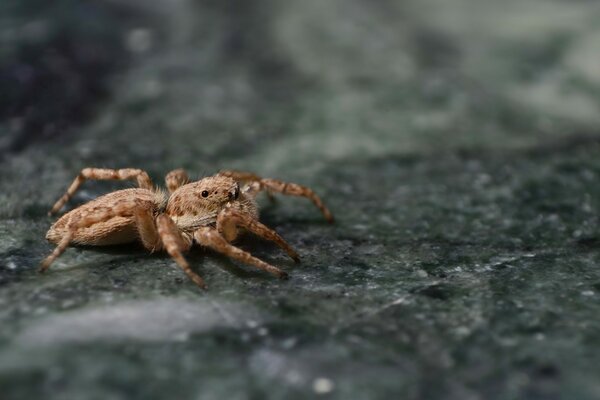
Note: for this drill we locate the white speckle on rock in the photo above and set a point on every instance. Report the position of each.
(139, 40)
(587, 293)
(463, 331)
(263, 331)
(323, 385)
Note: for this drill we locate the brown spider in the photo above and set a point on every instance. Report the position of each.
(211, 212)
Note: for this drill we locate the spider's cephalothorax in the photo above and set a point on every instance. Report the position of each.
(211, 212)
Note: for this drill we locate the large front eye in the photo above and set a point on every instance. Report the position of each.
(205, 193)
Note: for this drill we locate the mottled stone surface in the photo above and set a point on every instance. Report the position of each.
(457, 142)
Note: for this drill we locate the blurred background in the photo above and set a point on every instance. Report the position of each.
(335, 78)
(457, 142)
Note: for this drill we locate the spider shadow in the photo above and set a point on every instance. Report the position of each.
(252, 245)
(133, 249)
(124, 252)
(197, 255)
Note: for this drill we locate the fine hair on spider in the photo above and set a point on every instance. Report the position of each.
(211, 212)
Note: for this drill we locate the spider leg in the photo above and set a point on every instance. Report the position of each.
(210, 237)
(254, 188)
(253, 180)
(175, 179)
(175, 244)
(59, 249)
(142, 178)
(274, 185)
(146, 227)
(229, 220)
(293, 189)
(241, 176)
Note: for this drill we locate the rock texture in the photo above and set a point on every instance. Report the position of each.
(457, 143)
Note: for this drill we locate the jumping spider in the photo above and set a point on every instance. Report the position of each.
(211, 212)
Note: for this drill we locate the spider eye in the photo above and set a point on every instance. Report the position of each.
(235, 194)
(205, 193)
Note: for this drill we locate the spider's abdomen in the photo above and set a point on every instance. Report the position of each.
(117, 229)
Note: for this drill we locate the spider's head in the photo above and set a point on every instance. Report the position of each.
(216, 189)
(204, 196)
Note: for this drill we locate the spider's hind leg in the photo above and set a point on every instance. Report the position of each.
(142, 178)
(176, 178)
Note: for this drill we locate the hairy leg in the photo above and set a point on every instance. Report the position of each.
(146, 226)
(274, 185)
(241, 176)
(142, 178)
(175, 179)
(210, 237)
(175, 244)
(250, 178)
(229, 220)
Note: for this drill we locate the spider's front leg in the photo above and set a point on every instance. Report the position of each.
(176, 244)
(142, 178)
(274, 185)
(230, 220)
(210, 237)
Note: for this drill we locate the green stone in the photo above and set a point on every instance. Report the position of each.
(457, 144)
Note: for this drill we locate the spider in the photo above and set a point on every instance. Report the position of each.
(211, 212)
